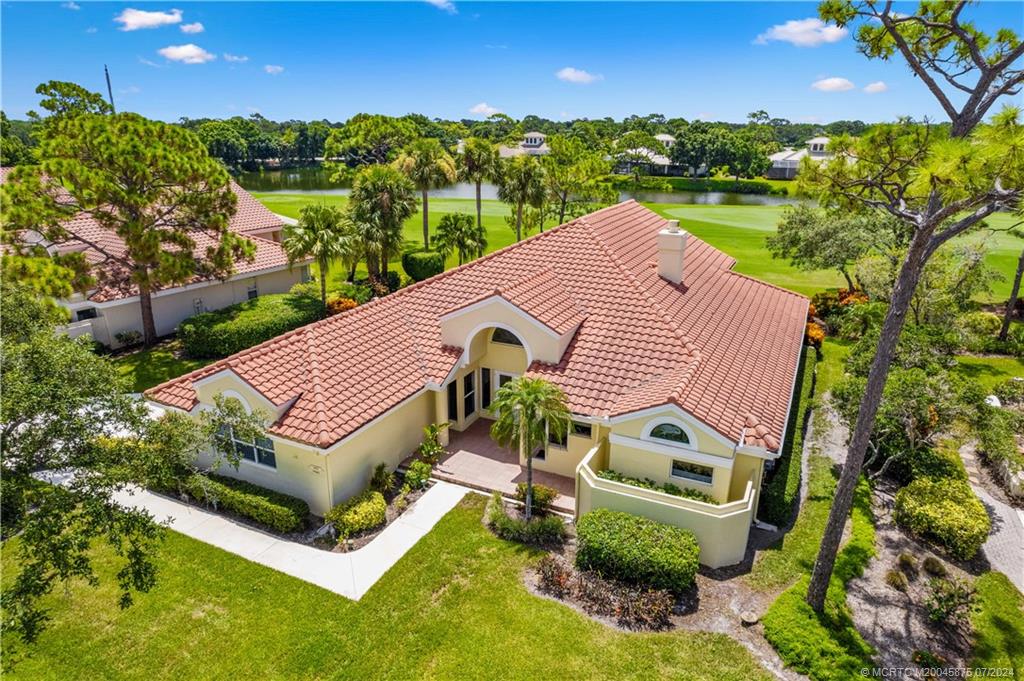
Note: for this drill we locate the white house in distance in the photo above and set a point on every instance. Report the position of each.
(533, 144)
(106, 311)
(786, 163)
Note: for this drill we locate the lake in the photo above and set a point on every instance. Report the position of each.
(316, 181)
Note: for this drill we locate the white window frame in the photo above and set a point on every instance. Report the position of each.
(470, 395)
(252, 291)
(682, 425)
(707, 483)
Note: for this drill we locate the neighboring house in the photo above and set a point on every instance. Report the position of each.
(786, 163)
(675, 367)
(668, 140)
(533, 144)
(106, 311)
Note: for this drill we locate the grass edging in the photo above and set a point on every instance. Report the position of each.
(827, 646)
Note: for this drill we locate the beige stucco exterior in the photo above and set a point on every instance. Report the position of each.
(173, 306)
(324, 477)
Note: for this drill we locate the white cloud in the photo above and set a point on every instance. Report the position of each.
(147, 62)
(876, 87)
(134, 19)
(91, 29)
(71, 5)
(273, 69)
(235, 58)
(446, 5)
(484, 109)
(832, 85)
(197, 27)
(187, 54)
(130, 90)
(809, 32)
(573, 75)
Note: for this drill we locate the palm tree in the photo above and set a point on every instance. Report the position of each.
(429, 166)
(521, 183)
(478, 162)
(382, 199)
(524, 407)
(325, 234)
(457, 233)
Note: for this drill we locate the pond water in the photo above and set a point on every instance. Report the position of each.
(316, 180)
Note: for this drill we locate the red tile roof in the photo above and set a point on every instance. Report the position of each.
(722, 346)
(250, 216)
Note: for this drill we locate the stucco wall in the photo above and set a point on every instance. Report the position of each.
(170, 309)
(640, 463)
(705, 439)
(543, 344)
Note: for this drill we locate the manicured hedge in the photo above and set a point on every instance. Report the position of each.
(944, 511)
(780, 494)
(241, 326)
(543, 496)
(277, 511)
(635, 549)
(365, 511)
(422, 265)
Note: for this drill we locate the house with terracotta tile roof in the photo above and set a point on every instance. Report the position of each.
(107, 310)
(676, 369)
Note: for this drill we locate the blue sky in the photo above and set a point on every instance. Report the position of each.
(446, 59)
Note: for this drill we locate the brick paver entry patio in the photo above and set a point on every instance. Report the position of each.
(475, 460)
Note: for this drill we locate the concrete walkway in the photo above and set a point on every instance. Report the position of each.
(1004, 547)
(347, 574)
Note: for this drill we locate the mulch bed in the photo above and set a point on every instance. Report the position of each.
(394, 511)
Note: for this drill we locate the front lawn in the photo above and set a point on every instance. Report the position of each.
(453, 607)
(147, 368)
(998, 625)
(990, 370)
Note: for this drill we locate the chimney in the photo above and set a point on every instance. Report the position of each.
(672, 252)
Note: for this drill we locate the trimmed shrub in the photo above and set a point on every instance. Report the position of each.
(277, 511)
(907, 563)
(422, 265)
(128, 338)
(635, 549)
(543, 496)
(897, 580)
(944, 512)
(417, 475)
(362, 512)
(941, 461)
(778, 499)
(241, 326)
(934, 566)
(540, 531)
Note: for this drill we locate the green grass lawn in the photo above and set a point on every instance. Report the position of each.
(998, 625)
(991, 370)
(147, 368)
(739, 231)
(454, 606)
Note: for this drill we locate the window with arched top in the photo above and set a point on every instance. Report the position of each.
(671, 433)
(505, 336)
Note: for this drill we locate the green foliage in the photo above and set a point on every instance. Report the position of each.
(949, 600)
(543, 496)
(383, 479)
(418, 474)
(365, 511)
(637, 550)
(897, 580)
(521, 184)
(667, 488)
(243, 325)
(381, 200)
(57, 396)
(325, 234)
(996, 430)
(369, 139)
(933, 566)
(826, 647)
(431, 449)
(945, 512)
(458, 233)
(277, 511)
(150, 183)
(546, 530)
(1010, 391)
(128, 338)
(422, 265)
(780, 494)
(907, 563)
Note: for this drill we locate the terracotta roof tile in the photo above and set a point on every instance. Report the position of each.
(721, 346)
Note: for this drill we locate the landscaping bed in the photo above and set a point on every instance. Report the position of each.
(396, 502)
